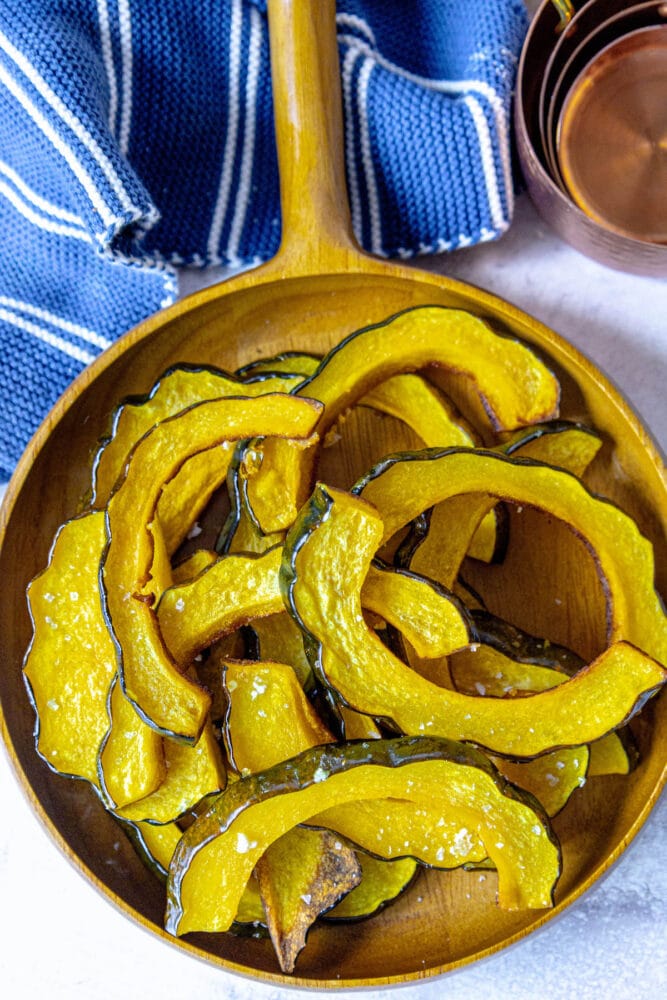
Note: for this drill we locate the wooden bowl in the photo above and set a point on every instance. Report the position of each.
(317, 289)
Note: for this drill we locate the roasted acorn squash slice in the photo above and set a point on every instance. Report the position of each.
(455, 524)
(176, 390)
(514, 385)
(131, 762)
(381, 883)
(191, 774)
(238, 589)
(150, 677)
(402, 486)
(216, 855)
(327, 553)
(301, 875)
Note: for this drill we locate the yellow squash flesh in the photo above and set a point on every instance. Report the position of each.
(149, 675)
(328, 553)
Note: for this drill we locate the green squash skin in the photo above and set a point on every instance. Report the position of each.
(527, 434)
(305, 769)
(521, 646)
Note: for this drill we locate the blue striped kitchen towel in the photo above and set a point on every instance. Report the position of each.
(137, 137)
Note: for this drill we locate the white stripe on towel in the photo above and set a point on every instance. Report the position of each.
(71, 121)
(488, 165)
(367, 157)
(107, 58)
(451, 87)
(83, 332)
(226, 175)
(41, 221)
(126, 62)
(247, 158)
(37, 201)
(65, 151)
(356, 23)
(47, 337)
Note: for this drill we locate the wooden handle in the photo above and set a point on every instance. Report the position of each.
(317, 233)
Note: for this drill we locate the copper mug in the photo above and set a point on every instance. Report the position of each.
(600, 183)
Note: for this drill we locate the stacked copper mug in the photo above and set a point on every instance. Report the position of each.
(591, 127)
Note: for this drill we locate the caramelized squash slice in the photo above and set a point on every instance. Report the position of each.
(216, 855)
(382, 882)
(151, 679)
(514, 385)
(302, 875)
(328, 552)
(304, 872)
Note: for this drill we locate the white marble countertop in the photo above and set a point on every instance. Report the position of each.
(60, 940)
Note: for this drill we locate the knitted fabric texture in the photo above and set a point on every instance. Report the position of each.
(137, 137)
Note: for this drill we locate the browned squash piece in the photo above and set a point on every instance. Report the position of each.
(151, 679)
(399, 828)
(302, 875)
(329, 550)
(305, 872)
(381, 883)
(270, 720)
(217, 853)
(72, 659)
(516, 389)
